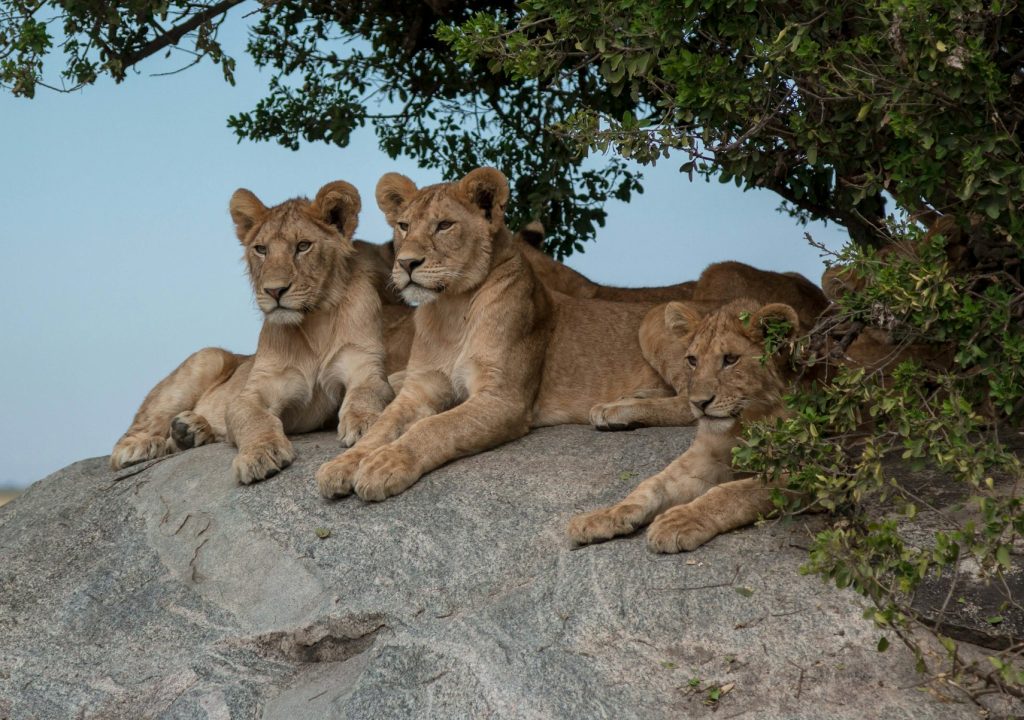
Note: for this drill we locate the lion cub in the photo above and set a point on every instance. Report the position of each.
(495, 352)
(695, 498)
(320, 347)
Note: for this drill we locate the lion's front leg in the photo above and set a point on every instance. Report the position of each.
(642, 411)
(367, 393)
(254, 424)
(482, 422)
(360, 409)
(690, 475)
(725, 507)
(423, 394)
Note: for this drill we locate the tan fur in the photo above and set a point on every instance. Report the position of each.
(696, 497)
(320, 352)
(562, 278)
(495, 352)
(665, 324)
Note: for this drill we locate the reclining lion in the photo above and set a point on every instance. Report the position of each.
(729, 382)
(495, 352)
(320, 354)
(718, 358)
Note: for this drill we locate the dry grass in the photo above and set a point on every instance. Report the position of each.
(7, 495)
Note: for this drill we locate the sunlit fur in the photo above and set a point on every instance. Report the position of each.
(495, 351)
(728, 383)
(320, 354)
(315, 278)
(443, 231)
(719, 284)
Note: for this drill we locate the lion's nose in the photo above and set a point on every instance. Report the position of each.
(703, 403)
(410, 264)
(276, 292)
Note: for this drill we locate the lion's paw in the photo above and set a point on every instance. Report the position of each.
(678, 529)
(605, 524)
(262, 461)
(354, 422)
(189, 430)
(387, 471)
(131, 450)
(618, 415)
(335, 477)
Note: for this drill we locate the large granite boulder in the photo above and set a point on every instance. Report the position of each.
(172, 592)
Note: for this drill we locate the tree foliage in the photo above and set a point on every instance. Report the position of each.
(336, 67)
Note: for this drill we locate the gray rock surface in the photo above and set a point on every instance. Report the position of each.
(175, 593)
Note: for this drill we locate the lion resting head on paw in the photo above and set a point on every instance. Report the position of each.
(297, 251)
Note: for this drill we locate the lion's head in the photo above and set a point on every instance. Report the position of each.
(444, 234)
(297, 252)
(723, 351)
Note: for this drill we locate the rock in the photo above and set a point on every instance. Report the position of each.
(175, 593)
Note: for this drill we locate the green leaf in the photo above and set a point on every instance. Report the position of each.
(1003, 557)
(322, 533)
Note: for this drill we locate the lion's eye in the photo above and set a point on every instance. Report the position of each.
(303, 246)
(692, 360)
(260, 249)
(404, 227)
(729, 360)
(444, 225)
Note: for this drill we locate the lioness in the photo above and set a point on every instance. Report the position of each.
(495, 352)
(719, 284)
(320, 347)
(729, 383)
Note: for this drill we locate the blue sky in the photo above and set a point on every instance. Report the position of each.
(120, 259)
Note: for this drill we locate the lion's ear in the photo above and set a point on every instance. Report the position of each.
(486, 188)
(838, 280)
(338, 204)
(246, 211)
(532, 233)
(772, 314)
(394, 190)
(681, 319)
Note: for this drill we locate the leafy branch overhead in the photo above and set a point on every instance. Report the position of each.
(336, 67)
(833, 106)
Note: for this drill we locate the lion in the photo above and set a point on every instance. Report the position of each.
(495, 351)
(729, 383)
(320, 354)
(719, 284)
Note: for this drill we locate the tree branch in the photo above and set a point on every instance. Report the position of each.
(174, 35)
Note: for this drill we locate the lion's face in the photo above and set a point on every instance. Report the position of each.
(444, 233)
(297, 252)
(728, 381)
